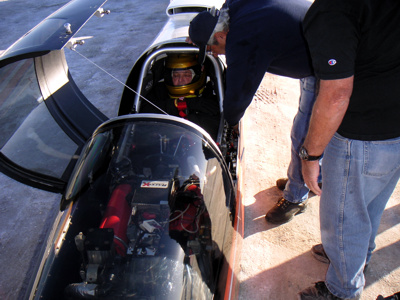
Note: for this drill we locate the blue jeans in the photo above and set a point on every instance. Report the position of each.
(358, 177)
(296, 191)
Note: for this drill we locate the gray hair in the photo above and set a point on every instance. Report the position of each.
(222, 24)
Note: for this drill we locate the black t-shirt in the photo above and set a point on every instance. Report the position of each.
(360, 38)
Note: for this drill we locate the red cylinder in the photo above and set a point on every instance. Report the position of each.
(117, 217)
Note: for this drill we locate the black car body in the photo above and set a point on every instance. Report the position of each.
(151, 205)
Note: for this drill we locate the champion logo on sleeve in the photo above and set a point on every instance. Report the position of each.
(332, 62)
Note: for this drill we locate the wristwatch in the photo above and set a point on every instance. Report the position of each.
(303, 153)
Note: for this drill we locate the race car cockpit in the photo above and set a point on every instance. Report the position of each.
(185, 89)
(149, 88)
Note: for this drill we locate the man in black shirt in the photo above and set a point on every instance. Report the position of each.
(355, 49)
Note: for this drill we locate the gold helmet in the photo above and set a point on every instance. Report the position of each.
(184, 61)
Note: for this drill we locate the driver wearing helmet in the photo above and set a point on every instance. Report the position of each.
(184, 93)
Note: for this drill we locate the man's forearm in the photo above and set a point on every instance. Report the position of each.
(329, 108)
(328, 112)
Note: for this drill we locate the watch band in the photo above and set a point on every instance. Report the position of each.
(303, 153)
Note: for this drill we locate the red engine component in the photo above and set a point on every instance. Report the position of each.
(187, 218)
(117, 217)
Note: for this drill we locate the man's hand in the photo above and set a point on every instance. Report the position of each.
(310, 170)
(188, 40)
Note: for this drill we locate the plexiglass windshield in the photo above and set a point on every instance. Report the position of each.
(165, 208)
(29, 135)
